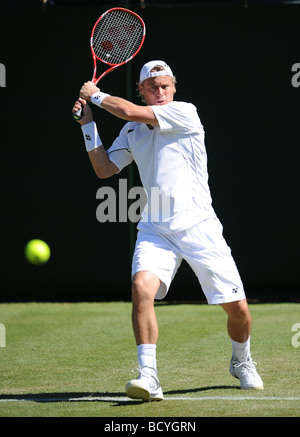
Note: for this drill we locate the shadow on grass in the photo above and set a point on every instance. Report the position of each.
(201, 389)
(63, 397)
(117, 398)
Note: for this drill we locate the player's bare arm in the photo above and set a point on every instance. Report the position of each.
(128, 111)
(103, 167)
(119, 107)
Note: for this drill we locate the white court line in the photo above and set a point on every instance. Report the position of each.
(169, 398)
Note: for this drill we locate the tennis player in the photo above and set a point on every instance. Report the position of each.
(165, 138)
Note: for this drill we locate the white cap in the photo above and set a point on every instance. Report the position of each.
(146, 70)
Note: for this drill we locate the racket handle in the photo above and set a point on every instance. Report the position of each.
(78, 114)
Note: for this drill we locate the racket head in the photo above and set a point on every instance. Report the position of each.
(117, 36)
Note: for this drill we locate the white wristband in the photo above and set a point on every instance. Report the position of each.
(97, 98)
(91, 136)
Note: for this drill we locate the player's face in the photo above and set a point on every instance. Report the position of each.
(157, 90)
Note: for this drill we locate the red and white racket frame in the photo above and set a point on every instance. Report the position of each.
(113, 66)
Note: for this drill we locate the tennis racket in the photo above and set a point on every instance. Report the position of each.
(116, 38)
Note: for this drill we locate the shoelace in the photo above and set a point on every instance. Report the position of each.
(142, 374)
(246, 363)
(250, 365)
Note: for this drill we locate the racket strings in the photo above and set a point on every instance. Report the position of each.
(117, 36)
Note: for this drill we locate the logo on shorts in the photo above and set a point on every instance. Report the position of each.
(235, 290)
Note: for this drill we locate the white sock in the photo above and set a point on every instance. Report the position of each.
(241, 351)
(147, 355)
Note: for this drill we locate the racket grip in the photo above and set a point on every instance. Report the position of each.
(78, 114)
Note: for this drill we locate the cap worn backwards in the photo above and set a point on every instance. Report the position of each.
(146, 70)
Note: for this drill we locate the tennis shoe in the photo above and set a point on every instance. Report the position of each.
(146, 386)
(246, 372)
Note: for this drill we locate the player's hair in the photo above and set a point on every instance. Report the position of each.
(155, 68)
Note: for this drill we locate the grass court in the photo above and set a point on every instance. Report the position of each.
(74, 360)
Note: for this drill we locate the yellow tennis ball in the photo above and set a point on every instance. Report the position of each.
(37, 252)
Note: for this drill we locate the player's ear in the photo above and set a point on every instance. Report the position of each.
(141, 89)
(174, 84)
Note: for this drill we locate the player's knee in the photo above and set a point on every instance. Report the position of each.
(238, 310)
(139, 290)
(242, 313)
(143, 288)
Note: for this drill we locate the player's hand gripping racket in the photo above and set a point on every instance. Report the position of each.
(116, 38)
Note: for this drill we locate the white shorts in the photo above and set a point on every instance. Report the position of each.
(205, 250)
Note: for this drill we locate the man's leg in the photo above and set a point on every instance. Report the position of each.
(145, 327)
(239, 329)
(239, 320)
(144, 322)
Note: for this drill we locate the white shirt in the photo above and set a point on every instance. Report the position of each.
(172, 164)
